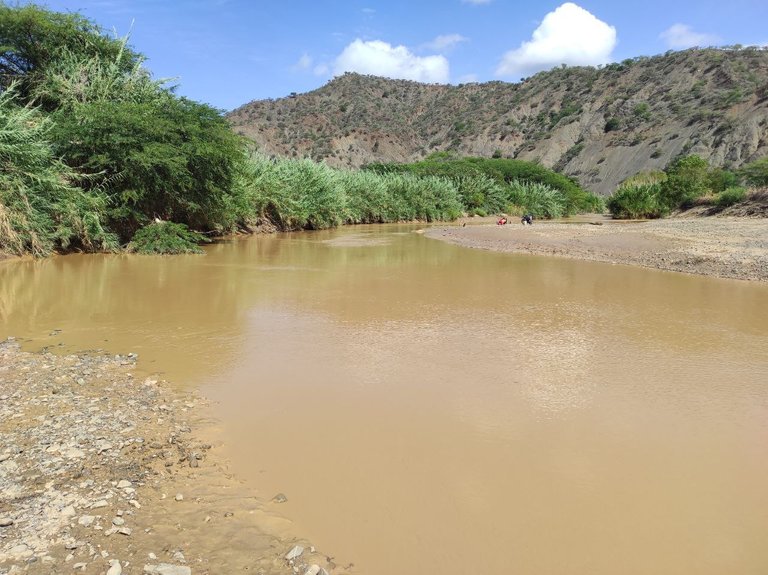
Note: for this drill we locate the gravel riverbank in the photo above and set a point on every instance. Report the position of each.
(726, 247)
(102, 472)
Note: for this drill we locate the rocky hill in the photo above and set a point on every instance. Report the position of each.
(598, 125)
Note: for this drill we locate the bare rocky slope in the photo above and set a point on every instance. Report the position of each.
(599, 125)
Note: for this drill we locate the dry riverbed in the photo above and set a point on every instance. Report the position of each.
(727, 247)
(103, 471)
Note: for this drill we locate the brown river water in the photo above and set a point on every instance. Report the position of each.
(434, 409)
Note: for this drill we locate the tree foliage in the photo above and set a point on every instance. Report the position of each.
(32, 38)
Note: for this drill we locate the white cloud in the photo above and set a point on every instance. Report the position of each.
(304, 63)
(445, 42)
(567, 35)
(382, 59)
(680, 36)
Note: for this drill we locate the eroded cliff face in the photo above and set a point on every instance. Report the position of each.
(597, 125)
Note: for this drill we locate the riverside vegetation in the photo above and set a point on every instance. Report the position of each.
(97, 155)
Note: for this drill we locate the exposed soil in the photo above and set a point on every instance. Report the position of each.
(727, 247)
(101, 472)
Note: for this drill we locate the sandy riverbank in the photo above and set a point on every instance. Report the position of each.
(727, 247)
(102, 471)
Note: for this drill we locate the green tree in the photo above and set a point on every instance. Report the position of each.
(40, 208)
(688, 178)
(32, 38)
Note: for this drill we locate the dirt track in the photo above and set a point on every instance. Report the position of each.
(726, 247)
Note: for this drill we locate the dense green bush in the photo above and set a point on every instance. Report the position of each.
(756, 173)
(475, 178)
(688, 178)
(302, 194)
(730, 196)
(161, 237)
(536, 199)
(40, 208)
(637, 200)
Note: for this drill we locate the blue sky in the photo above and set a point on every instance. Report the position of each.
(229, 52)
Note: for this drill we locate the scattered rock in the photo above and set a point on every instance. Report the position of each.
(115, 568)
(6, 521)
(294, 553)
(280, 498)
(179, 497)
(167, 569)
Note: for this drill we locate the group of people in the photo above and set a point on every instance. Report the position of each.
(526, 220)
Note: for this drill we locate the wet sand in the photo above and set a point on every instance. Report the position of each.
(723, 247)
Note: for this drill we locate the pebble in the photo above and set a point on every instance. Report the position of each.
(118, 521)
(280, 498)
(179, 497)
(295, 552)
(99, 504)
(115, 568)
(6, 521)
(167, 569)
(86, 520)
(124, 483)
(313, 570)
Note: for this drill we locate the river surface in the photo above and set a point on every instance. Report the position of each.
(434, 409)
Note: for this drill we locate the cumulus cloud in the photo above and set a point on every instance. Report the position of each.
(681, 36)
(445, 42)
(382, 59)
(567, 35)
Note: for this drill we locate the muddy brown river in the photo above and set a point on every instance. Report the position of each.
(427, 408)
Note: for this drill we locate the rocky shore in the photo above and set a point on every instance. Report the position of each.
(101, 472)
(726, 247)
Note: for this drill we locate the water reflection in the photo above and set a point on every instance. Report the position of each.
(407, 394)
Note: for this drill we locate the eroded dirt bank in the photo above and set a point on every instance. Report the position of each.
(102, 471)
(722, 247)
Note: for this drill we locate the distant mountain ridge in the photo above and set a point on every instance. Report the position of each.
(597, 125)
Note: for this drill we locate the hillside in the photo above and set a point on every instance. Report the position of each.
(597, 125)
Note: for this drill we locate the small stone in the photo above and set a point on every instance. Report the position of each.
(280, 498)
(313, 570)
(80, 566)
(99, 504)
(135, 503)
(86, 520)
(122, 484)
(69, 511)
(115, 568)
(167, 569)
(125, 531)
(152, 556)
(179, 497)
(118, 521)
(295, 552)
(6, 521)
